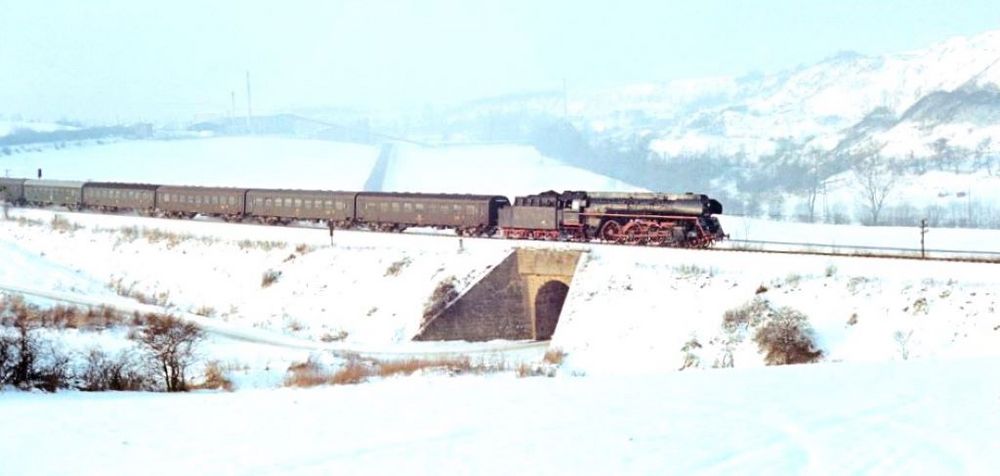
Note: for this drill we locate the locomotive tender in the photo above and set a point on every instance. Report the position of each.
(635, 218)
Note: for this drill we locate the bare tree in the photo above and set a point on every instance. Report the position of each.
(983, 157)
(877, 177)
(170, 343)
(814, 182)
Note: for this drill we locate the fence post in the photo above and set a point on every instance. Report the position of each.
(923, 231)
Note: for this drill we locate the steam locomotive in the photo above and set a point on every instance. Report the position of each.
(633, 218)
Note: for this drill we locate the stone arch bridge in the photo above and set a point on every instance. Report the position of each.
(520, 299)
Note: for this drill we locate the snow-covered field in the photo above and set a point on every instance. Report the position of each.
(929, 417)
(265, 162)
(271, 162)
(903, 385)
(508, 170)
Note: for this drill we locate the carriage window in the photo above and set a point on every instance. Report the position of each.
(419, 206)
(267, 202)
(258, 202)
(470, 210)
(232, 200)
(408, 207)
(395, 207)
(384, 206)
(197, 199)
(288, 203)
(329, 204)
(308, 204)
(457, 208)
(298, 203)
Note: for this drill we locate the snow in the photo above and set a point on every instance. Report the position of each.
(508, 170)
(927, 417)
(8, 127)
(264, 162)
(816, 104)
(902, 385)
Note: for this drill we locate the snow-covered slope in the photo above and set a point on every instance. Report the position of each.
(270, 162)
(815, 104)
(818, 105)
(508, 170)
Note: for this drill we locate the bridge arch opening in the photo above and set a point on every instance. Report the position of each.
(548, 305)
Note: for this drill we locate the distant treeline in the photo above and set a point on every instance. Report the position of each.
(27, 136)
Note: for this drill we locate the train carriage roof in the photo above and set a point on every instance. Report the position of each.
(120, 185)
(429, 196)
(187, 189)
(290, 191)
(54, 183)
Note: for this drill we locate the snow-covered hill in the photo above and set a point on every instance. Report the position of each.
(818, 104)
(947, 90)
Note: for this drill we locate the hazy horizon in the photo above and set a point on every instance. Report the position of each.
(117, 60)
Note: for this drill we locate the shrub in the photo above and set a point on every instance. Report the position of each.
(170, 343)
(743, 317)
(554, 356)
(395, 268)
(312, 373)
(207, 311)
(691, 270)
(783, 335)
(260, 245)
(443, 295)
(334, 336)
(215, 378)
(306, 374)
(411, 366)
(787, 338)
(270, 277)
(690, 358)
(124, 372)
(353, 372)
(61, 224)
(29, 362)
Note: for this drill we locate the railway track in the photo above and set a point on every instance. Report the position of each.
(740, 246)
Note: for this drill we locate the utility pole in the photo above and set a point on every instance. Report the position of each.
(249, 104)
(923, 232)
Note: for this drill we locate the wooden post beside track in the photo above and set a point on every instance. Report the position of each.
(923, 231)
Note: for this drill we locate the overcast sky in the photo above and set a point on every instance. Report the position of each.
(131, 59)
